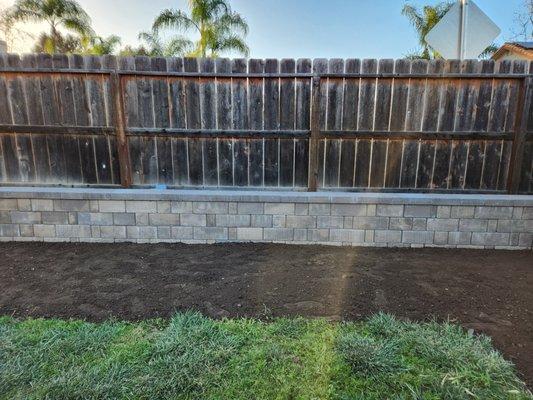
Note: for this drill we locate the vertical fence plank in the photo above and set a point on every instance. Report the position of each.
(240, 121)
(287, 122)
(333, 122)
(255, 93)
(303, 109)
(208, 107)
(272, 123)
(180, 164)
(225, 146)
(349, 122)
(193, 115)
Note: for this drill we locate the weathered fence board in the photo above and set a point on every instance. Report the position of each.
(380, 124)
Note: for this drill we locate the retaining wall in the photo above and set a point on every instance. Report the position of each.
(358, 219)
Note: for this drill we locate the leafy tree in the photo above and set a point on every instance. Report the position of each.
(423, 20)
(98, 45)
(220, 29)
(66, 14)
(58, 44)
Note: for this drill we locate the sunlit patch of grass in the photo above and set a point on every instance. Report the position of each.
(194, 357)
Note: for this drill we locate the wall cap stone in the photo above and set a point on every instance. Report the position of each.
(266, 196)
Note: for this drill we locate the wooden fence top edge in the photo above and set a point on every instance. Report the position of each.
(244, 75)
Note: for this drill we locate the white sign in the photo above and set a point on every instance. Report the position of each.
(464, 32)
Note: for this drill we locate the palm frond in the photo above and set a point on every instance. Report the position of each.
(176, 19)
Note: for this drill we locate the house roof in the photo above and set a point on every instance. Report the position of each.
(524, 49)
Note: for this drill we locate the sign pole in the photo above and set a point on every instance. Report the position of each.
(462, 30)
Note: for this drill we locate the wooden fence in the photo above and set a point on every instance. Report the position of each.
(324, 124)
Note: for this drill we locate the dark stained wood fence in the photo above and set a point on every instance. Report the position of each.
(325, 124)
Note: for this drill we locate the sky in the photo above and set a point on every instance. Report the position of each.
(296, 28)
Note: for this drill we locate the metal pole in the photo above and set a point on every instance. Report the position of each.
(462, 30)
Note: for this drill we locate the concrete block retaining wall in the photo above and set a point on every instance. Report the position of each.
(358, 219)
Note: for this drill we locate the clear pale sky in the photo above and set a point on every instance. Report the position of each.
(298, 28)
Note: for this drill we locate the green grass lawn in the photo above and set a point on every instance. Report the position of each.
(193, 357)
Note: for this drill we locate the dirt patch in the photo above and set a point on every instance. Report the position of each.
(488, 291)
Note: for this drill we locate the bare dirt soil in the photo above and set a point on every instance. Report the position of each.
(488, 291)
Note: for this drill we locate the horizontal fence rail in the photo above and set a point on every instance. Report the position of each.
(388, 125)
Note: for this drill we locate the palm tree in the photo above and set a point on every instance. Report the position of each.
(59, 44)
(220, 28)
(423, 21)
(99, 46)
(67, 14)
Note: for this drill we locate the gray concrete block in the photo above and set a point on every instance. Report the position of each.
(389, 210)
(250, 208)
(459, 238)
(442, 224)
(193, 220)
(517, 212)
(348, 222)
(371, 210)
(210, 233)
(44, 230)
(400, 223)
(462, 212)
(181, 232)
(417, 237)
(473, 225)
(163, 232)
(42, 205)
(141, 219)
(232, 232)
(279, 208)
(369, 236)
(370, 223)
(440, 238)
(163, 207)
(357, 210)
(300, 235)
(319, 209)
(26, 217)
(112, 205)
(71, 205)
(301, 209)
(492, 225)
(86, 218)
(26, 230)
(278, 234)
(73, 231)
(141, 232)
(527, 213)
(443, 212)
(123, 219)
(250, 234)
(301, 221)
(347, 235)
(515, 225)
(490, 239)
(9, 230)
(113, 232)
(330, 221)
(8, 204)
(386, 236)
(54, 217)
(24, 204)
(419, 224)
(318, 235)
(279, 221)
(210, 207)
(420, 211)
(73, 218)
(493, 212)
(211, 220)
(232, 208)
(5, 217)
(261, 221)
(141, 206)
(164, 219)
(235, 220)
(181, 207)
(526, 240)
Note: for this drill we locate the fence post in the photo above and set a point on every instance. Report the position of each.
(122, 139)
(315, 134)
(525, 102)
